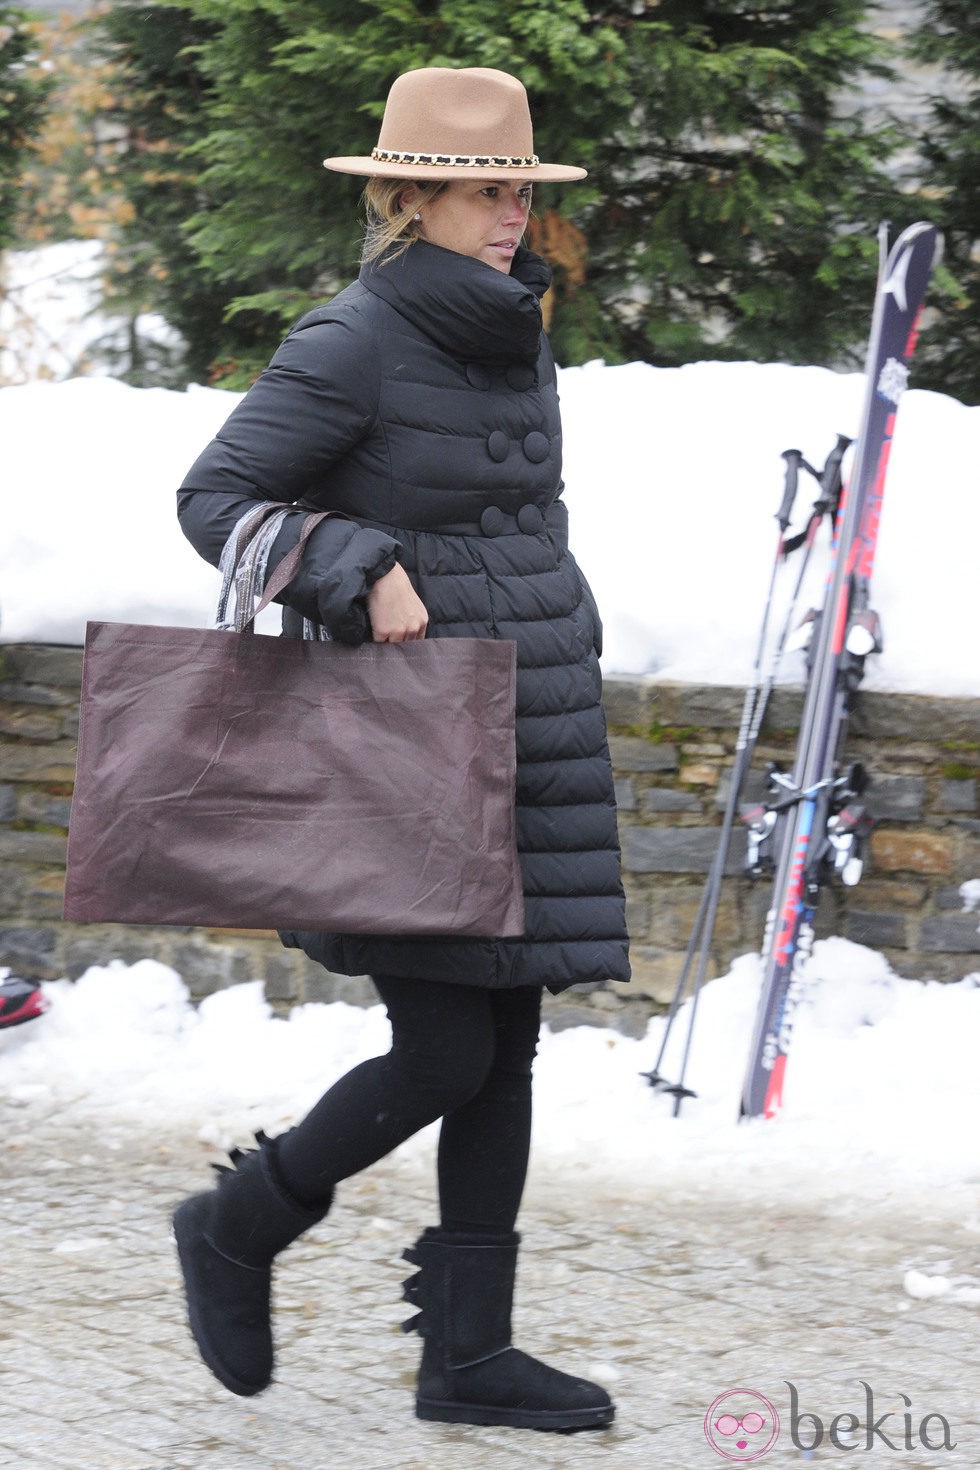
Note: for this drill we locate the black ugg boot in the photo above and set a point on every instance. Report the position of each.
(226, 1240)
(470, 1373)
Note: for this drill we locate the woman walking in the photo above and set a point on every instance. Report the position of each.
(421, 404)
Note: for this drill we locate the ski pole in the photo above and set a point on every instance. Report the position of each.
(753, 713)
(830, 482)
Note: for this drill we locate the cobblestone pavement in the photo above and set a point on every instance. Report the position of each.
(671, 1301)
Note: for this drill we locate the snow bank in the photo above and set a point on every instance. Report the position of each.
(880, 1092)
(673, 478)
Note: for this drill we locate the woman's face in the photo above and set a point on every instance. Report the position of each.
(484, 220)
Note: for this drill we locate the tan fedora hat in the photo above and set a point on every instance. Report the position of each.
(456, 123)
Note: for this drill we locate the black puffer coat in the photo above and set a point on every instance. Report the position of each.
(421, 402)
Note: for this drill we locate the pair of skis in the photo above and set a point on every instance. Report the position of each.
(813, 824)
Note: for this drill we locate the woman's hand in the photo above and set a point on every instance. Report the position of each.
(397, 613)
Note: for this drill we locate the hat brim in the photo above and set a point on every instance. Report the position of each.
(541, 173)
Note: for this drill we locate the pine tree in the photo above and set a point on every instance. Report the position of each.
(949, 352)
(730, 209)
(23, 98)
(159, 97)
(741, 203)
(276, 86)
(67, 187)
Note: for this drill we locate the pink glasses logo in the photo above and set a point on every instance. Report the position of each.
(742, 1425)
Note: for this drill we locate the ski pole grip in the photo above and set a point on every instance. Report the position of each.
(832, 468)
(831, 477)
(793, 458)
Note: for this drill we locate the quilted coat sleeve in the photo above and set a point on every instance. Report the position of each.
(317, 398)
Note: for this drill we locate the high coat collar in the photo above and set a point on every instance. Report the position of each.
(473, 311)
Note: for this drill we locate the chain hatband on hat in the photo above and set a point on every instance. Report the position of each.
(452, 160)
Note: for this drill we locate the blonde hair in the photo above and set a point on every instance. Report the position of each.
(391, 228)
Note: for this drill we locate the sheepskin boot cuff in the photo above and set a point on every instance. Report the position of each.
(470, 1372)
(226, 1240)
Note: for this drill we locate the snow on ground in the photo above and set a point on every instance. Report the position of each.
(882, 1092)
(673, 478)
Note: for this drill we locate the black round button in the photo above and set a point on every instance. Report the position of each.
(536, 447)
(520, 376)
(530, 519)
(477, 376)
(492, 521)
(498, 445)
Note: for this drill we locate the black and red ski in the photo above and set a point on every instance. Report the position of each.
(20, 1001)
(814, 820)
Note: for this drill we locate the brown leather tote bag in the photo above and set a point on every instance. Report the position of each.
(230, 779)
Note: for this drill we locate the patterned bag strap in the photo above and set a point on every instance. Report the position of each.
(244, 560)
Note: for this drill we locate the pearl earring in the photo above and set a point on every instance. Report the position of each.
(416, 216)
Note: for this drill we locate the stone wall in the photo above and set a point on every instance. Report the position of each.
(672, 747)
(672, 751)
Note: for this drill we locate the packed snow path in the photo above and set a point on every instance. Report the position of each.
(675, 1260)
(670, 1297)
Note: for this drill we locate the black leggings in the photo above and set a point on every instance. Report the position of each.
(458, 1053)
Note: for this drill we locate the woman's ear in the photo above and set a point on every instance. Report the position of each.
(408, 196)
